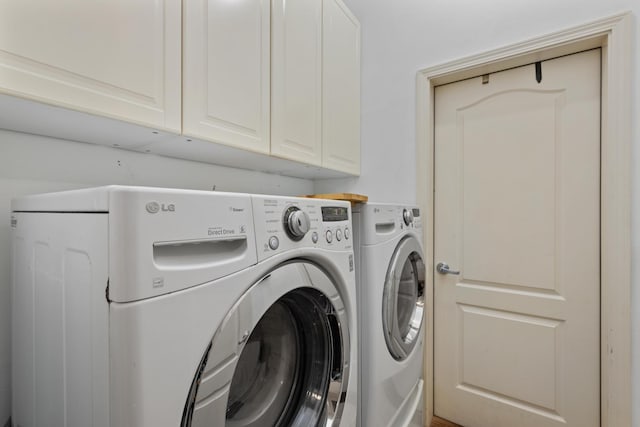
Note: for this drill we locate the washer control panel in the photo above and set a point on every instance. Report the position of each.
(285, 223)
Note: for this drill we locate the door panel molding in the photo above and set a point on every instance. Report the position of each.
(614, 35)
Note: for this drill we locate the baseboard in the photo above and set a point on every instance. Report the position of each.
(439, 422)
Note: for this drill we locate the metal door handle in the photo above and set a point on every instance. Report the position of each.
(443, 268)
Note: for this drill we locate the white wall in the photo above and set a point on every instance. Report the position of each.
(34, 164)
(402, 37)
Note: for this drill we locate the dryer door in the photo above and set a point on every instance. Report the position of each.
(279, 359)
(403, 299)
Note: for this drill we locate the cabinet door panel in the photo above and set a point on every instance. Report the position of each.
(226, 72)
(117, 58)
(296, 98)
(340, 88)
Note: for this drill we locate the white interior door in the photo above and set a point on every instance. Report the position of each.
(517, 202)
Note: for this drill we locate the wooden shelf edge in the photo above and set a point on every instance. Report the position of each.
(349, 197)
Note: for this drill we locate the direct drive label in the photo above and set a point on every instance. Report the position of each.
(222, 232)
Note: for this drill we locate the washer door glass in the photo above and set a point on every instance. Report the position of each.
(403, 299)
(267, 371)
(289, 369)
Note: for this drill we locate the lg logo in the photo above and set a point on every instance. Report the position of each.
(155, 207)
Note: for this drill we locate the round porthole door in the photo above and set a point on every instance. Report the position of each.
(403, 299)
(279, 359)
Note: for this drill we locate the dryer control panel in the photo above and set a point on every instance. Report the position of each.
(286, 223)
(380, 222)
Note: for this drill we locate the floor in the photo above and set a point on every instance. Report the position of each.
(439, 422)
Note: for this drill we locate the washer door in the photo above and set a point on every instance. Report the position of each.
(403, 299)
(279, 359)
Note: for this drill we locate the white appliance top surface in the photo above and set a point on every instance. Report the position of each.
(94, 199)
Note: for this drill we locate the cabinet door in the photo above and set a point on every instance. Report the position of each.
(296, 97)
(340, 88)
(226, 72)
(116, 58)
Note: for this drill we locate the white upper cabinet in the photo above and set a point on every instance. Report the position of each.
(116, 58)
(245, 83)
(340, 88)
(296, 96)
(226, 72)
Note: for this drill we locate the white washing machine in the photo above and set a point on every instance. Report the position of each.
(156, 307)
(390, 275)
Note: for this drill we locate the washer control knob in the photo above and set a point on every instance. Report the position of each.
(296, 223)
(338, 234)
(329, 236)
(407, 216)
(347, 233)
(314, 237)
(274, 242)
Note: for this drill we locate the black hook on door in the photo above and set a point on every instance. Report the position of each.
(538, 71)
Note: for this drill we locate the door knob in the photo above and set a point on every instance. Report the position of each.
(443, 268)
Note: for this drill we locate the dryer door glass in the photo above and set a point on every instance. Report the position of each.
(290, 364)
(403, 299)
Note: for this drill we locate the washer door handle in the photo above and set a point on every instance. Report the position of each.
(443, 268)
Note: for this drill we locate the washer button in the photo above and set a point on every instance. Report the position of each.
(347, 233)
(274, 242)
(338, 234)
(314, 237)
(329, 236)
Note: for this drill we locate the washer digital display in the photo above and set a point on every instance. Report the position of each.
(335, 213)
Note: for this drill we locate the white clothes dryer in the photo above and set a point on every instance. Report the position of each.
(155, 307)
(390, 277)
